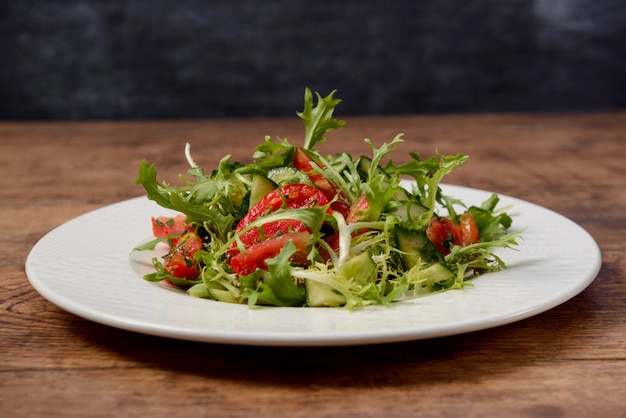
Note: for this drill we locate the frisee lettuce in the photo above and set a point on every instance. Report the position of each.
(318, 119)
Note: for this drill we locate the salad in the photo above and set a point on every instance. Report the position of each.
(298, 228)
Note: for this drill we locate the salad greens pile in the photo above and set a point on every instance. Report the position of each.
(298, 228)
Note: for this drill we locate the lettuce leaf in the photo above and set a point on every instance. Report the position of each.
(318, 119)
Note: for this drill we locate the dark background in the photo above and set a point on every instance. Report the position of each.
(120, 59)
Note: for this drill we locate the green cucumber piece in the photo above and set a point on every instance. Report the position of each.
(360, 267)
(407, 209)
(363, 166)
(223, 295)
(436, 273)
(261, 186)
(287, 175)
(411, 244)
(199, 290)
(402, 194)
(320, 294)
(216, 292)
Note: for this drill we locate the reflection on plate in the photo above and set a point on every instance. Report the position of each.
(93, 276)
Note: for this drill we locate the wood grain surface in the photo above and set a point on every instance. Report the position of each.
(567, 362)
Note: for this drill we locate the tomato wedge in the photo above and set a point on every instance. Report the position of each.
(179, 262)
(255, 256)
(356, 211)
(254, 236)
(469, 229)
(164, 226)
(304, 162)
(289, 196)
(333, 242)
(444, 232)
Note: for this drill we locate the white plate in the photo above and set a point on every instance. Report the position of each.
(84, 266)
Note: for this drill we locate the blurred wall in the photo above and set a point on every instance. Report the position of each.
(71, 59)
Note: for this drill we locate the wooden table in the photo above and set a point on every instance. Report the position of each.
(569, 361)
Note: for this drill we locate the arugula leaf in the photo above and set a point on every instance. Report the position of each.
(278, 277)
(275, 286)
(220, 223)
(318, 119)
(257, 292)
(219, 200)
(490, 224)
(269, 155)
(148, 179)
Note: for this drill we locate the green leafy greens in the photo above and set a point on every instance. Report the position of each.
(381, 252)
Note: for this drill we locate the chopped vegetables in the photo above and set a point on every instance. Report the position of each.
(296, 228)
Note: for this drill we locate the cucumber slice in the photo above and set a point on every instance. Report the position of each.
(363, 166)
(287, 175)
(199, 290)
(223, 295)
(411, 244)
(401, 195)
(407, 209)
(216, 292)
(320, 294)
(261, 186)
(436, 273)
(360, 267)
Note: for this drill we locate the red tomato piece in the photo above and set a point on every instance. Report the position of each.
(304, 162)
(179, 261)
(255, 256)
(360, 206)
(341, 206)
(443, 233)
(292, 196)
(333, 241)
(164, 226)
(254, 236)
(469, 229)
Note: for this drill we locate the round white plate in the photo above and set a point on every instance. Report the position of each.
(85, 267)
